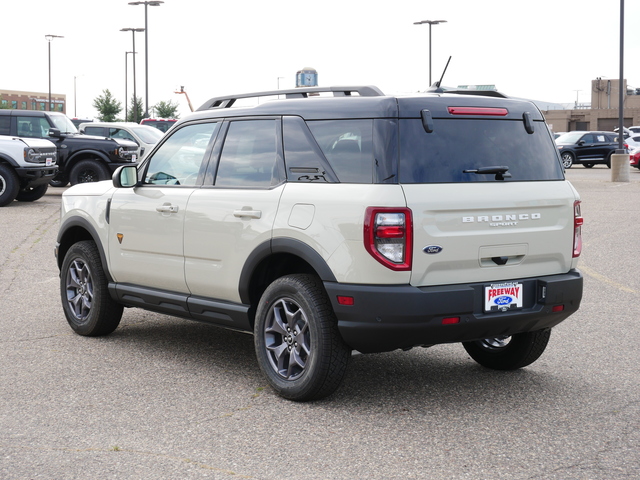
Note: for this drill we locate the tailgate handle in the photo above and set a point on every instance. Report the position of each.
(500, 260)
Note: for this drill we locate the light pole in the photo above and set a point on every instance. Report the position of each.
(49, 40)
(135, 97)
(430, 22)
(126, 81)
(620, 158)
(153, 3)
(75, 97)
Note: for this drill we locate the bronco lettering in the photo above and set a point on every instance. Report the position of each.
(502, 218)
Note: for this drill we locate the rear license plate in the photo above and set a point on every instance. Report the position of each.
(503, 297)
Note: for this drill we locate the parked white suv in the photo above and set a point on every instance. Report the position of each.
(146, 137)
(26, 167)
(324, 225)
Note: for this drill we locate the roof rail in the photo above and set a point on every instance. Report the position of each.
(229, 100)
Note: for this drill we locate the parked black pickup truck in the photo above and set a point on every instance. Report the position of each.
(81, 158)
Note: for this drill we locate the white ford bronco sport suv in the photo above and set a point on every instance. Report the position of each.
(328, 224)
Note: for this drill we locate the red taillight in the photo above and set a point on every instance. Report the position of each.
(494, 112)
(577, 229)
(388, 236)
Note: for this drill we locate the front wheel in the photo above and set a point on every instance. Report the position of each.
(88, 171)
(298, 346)
(588, 165)
(567, 160)
(509, 352)
(31, 194)
(87, 305)
(9, 185)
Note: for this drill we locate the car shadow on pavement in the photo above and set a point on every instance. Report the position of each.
(441, 377)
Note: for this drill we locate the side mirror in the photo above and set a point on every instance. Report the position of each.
(125, 177)
(581, 142)
(54, 132)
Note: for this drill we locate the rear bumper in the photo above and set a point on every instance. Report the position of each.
(385, 318)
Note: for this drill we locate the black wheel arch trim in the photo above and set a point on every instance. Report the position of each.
(9, 160)
(70, 161)
(281, 245)
(83, 224)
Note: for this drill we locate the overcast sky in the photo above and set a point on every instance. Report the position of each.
(546, 50)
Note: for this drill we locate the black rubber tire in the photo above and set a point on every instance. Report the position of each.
(9, 185)
(59, 182)
(521, 350)
(298, 346)
(31, 194)
(89, 171)
(588, 165)
(87, 305)
(567, 160)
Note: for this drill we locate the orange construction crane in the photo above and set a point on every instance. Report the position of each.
(185, 94)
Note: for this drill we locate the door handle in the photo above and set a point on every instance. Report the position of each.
(247, 213)
(167, 208)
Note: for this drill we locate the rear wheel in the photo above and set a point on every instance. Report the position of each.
(87, 305)
(88, 171)
(9, 185)
(588, 165)
(298, 346)
(567, 160)
(31, 194)
(509, 352)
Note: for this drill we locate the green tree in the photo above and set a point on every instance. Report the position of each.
(107, 106)
(136, 111)
(166, 109)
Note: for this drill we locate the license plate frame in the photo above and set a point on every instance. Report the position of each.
(504, 296)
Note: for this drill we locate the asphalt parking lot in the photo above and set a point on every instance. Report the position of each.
(162, 398)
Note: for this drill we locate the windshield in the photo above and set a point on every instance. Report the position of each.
(457, 149)
(63, 124)
(148, 134)
(569, 138)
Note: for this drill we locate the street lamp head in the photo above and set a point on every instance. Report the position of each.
(51, 37)
(430, 22)
(132, 29)
(154, 3)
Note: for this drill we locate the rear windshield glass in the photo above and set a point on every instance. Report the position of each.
(456, 145)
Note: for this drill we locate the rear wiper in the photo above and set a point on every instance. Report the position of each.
(501, 172)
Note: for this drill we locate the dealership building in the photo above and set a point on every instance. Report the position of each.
(19, 100)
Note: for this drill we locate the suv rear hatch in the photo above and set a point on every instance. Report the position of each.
(487, 191)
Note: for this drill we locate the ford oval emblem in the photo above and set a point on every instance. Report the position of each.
(503, 300)
(432, 249)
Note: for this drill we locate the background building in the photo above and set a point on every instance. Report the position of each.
(602, 113)
(18, 100)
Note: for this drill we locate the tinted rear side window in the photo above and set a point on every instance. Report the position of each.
(348, 146)
(456, 145)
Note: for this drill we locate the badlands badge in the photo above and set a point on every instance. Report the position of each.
(502, 297)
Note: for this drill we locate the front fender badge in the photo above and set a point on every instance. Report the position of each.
(432, 249)
(120, 237)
